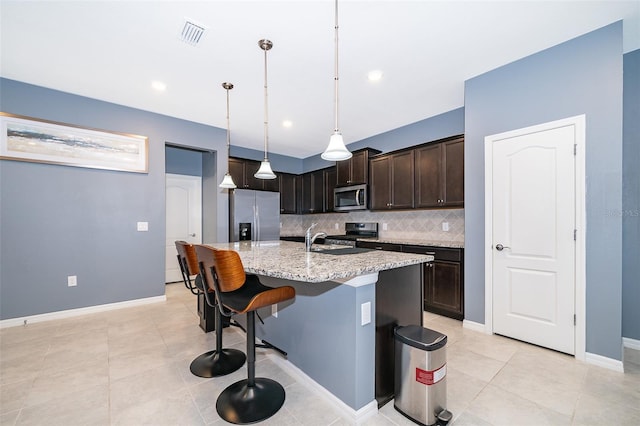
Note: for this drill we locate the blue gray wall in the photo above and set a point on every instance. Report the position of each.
(57, 221)
(631, 198)
(581, 76)
(182, 161)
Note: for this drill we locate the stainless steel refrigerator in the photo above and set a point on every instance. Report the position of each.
(254, 215)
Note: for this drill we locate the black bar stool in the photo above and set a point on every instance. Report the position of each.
(252, 399)
(218, 362)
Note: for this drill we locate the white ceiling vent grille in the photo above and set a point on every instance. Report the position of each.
(191, 32)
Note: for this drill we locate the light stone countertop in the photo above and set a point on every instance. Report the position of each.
(288, 260)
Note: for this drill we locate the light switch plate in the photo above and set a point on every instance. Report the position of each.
(143, 226)
(72, 280)
(445, 226)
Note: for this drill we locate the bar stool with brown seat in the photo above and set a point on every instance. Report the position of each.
(254, 398)
(220, 361)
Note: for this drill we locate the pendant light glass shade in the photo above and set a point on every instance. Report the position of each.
(336, 151)
(265, 172)
(227, 181)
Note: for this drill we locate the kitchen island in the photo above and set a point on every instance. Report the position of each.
(329, 330)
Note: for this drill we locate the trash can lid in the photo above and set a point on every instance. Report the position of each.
(420, 337)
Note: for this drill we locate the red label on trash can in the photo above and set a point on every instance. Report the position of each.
(431, 377)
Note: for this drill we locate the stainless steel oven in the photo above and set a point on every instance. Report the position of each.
(350, 198)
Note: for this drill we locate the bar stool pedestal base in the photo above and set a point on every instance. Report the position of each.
(218, 363)
(244, 404)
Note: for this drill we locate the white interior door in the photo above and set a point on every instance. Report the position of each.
(533, 241)
(184, 218)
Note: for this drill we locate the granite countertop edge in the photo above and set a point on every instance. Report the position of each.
(288, 260)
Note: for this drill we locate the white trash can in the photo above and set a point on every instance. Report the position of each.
(421, 375)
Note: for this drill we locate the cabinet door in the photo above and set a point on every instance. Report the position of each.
(313, 192)
(359, 168)
(402, 180)
(250, 168)
(453, 171)
(236, 170)
(444, 292)
(343, 171)
(288, 190)
(427, 176)
(272, 184)
(380, 189)
(330, 180)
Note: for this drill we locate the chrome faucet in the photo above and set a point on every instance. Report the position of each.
(309, 240)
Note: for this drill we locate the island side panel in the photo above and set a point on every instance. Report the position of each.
(398, 303)
(322, 334)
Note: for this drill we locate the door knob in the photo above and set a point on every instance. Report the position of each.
(500, 247)
(192, 235)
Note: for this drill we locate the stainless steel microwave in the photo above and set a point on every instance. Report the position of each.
(349, 198)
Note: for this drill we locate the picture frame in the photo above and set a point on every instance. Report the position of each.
(42, 141)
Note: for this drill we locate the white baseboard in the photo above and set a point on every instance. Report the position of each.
(631, 343)
(475, 326)
(355, 416)
(602, 361)
(13, 322)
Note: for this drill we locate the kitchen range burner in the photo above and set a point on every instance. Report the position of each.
(354, 231)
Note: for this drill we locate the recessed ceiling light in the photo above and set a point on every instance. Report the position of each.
(159, 86)
(374, 75)
(287, 123)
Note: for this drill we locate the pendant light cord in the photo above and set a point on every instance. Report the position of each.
(228, 128)
(266, 112)
(335, 79)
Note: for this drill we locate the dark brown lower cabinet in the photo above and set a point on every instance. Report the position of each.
(443, 280)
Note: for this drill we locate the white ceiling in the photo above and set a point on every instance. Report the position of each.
(113, 50)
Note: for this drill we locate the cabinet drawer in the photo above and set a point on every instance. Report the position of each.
(439, 253)
(379, 246)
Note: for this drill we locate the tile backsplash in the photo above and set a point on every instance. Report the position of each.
(403, 225)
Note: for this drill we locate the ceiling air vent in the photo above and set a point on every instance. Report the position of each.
(191, 32)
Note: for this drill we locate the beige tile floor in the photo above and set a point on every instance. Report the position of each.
(131, 367)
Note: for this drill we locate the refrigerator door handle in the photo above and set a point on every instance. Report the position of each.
(257, 215)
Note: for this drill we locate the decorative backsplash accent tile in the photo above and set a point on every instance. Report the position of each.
(404, 225)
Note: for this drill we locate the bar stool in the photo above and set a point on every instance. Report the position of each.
(219, 361)
(252, 399)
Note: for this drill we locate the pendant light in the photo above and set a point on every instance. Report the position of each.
(265, 172)
(336, 151)
(227, 181)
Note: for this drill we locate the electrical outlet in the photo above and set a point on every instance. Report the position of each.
(384, 227)
(445, 226)
(143, 226)
(337, 226)
(365, 313)
(72, 281)
(274, 310)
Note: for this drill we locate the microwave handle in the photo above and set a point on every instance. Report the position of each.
(357, 197)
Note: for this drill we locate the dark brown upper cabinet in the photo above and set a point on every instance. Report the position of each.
(242, 171)
(313, 192)
(329, 185)
(439, 174)
(290, 189)
(355, 170)
(392, 181)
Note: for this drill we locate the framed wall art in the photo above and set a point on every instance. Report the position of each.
(41, 141)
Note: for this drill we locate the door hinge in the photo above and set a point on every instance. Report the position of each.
(575, 235)
(575, 149)
(574, 319)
